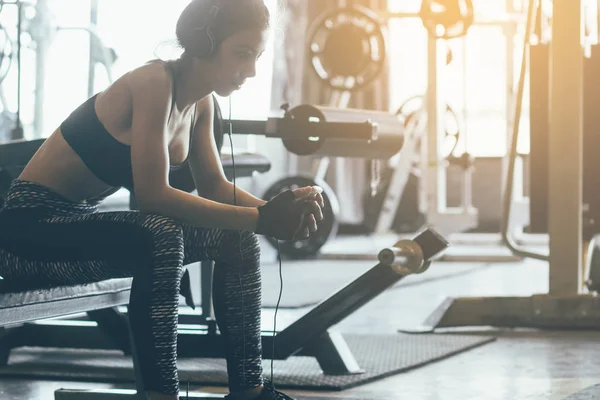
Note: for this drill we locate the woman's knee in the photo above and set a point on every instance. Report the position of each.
(159, 225)
(166, 245)
(240, 244)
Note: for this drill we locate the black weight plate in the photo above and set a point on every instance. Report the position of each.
(301, 145)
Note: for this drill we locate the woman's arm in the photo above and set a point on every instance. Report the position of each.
(201, 212)
(207, 169)
(151, 94)
(223, 193)
(206, 166)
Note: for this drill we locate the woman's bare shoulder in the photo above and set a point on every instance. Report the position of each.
(153, 73)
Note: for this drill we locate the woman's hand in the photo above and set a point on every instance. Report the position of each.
(291, 215)
(313, 203)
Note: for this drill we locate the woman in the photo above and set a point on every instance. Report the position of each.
(132, 135)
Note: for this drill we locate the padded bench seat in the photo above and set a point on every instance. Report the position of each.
(16, 154)
(20, 306)
(245, 164)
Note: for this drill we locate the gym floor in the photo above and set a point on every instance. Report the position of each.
(520, 364)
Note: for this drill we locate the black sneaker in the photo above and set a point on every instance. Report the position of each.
(268, 393)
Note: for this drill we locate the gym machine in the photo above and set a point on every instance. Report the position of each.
(560, 120)
(392, 207)
(540, 118)
(448, 19)
(310, 335)
(42, 28)
(366, 134)
(591, 120)
(443, 20)
(347, 50)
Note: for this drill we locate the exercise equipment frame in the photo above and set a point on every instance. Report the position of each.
(566, 305)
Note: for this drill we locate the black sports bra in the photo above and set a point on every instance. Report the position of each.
(105, 156)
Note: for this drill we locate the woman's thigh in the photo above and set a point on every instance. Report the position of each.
(84, 248)
(220, 245)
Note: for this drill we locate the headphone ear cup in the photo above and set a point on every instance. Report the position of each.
(207, 41)
(203, 43)
(210, 48)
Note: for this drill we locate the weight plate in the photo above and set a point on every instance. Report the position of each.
(413, 111)
(447, 19)
(347, 47)
(302, 146)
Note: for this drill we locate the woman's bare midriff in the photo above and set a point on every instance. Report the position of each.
(57, 167)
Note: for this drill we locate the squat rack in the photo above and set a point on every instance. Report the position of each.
(566, 305)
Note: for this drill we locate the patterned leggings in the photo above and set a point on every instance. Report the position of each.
(49, 240)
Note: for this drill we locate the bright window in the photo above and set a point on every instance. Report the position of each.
(476, 83)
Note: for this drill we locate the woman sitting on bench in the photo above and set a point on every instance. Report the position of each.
(132, 135)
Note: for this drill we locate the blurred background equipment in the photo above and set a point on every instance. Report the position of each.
(476, 119)
(349, 50)
(347, 47)
(447, 19)
(35, 30)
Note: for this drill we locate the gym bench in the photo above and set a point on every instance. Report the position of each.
(309, 335)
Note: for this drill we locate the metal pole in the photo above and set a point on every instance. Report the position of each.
(446, 219)
(566, 149)
(436, 173)
(41, 50)
(18, 132)
(93, 45)
(510, 33)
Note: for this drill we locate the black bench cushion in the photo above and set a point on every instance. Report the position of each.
(17, 305)
(245, 165)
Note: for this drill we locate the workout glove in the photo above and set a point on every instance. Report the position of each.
(282, 217)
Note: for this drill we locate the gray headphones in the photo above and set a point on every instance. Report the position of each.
(206, 40)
